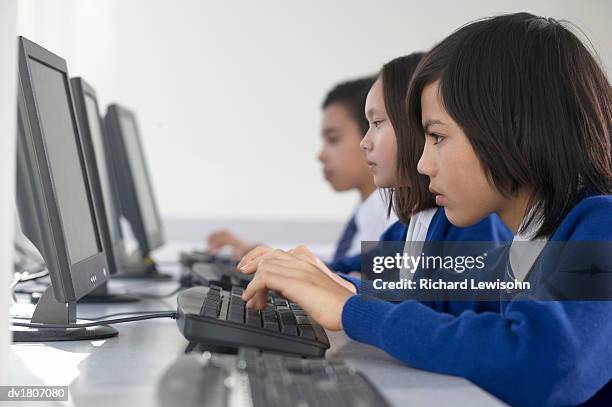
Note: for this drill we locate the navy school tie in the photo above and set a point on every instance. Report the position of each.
(344, 244)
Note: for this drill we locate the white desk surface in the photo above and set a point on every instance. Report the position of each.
(126, 370)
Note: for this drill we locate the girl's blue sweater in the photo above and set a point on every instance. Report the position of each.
(527, 353)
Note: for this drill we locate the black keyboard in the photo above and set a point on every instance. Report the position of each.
(256, 379)
(208, 274)
(216, 317)
(198, 256)
(221, 271)
(204, 267)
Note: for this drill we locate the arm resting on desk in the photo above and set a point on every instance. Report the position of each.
(532, 353)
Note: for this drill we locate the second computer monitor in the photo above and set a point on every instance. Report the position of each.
(136, 195)
(92, 130)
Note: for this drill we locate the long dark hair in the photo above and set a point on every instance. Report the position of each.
(412, 194)
(534, 104)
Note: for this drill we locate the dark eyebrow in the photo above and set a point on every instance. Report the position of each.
(429, 123)
(329, 131)
(370, 112)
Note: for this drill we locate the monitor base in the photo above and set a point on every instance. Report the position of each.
(108, 299)
(144, 269)
(144, 275)
(49, 311)
(21, 334)
(103, 296)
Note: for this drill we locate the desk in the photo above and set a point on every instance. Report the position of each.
(126, 370)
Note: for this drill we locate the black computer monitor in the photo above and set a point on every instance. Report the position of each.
(97, 159)
(86, 104)
(136, 195)
(60, 209)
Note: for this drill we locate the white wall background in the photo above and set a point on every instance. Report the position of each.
(8, 113)
(228, 93)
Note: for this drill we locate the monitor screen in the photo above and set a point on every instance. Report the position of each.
(95, 129)
(60, 136)
(139, 170)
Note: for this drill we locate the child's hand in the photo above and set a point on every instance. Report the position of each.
(222, 238)
(250, 263)
(299, 281)
(302, 252)
(252, 258)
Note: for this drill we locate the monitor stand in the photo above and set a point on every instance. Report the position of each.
(102, 295)
(141, 267)
(49, 311)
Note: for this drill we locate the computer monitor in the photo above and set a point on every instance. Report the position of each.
(96, 157)
(86, 107)
(136, 196)
(60, 209)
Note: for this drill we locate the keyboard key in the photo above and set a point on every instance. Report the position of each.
(236, 317)
(224, 309)
(320, 333)
(253, 318)
(306, 331)
(287, 322)
(280, 302)
(302, 320)
(210, 306)
(236, 310)
(236, 299)
(271, 326)
(270, 321)
(203, 307)
(295, 307)
(210, 310)
(289, 330)
(269, 316)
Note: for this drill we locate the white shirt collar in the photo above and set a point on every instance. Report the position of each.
(525, 250)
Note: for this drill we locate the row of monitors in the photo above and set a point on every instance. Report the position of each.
(76, 175)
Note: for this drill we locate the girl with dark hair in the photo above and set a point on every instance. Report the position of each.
(517, 118)
(386, 113)
(407, 190)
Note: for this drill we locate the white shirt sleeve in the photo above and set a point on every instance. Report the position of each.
(416, 235)
(371, 219)
(419, 225)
